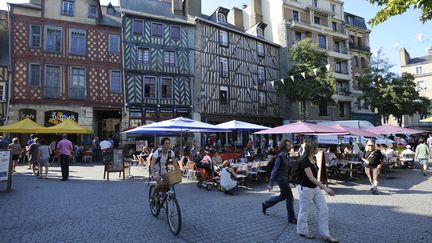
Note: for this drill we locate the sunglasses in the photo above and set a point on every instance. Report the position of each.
(370, 145)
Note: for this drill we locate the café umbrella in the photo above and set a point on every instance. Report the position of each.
(389, 129)
(66, 126)
(305, 128)
(24, 126)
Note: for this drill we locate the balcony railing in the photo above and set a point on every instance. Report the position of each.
(340, 50)
(359, 47)
(343, 91)
(52, 91)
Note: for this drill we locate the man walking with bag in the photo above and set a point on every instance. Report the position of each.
(280, 172)
(64, 149)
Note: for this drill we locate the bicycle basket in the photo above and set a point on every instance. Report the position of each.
(172, 177)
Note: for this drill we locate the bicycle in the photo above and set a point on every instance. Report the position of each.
(167, 200)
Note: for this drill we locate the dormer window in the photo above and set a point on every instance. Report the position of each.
(110, 10)
(222, 18)
(260, 32)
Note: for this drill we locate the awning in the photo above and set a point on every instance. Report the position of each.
(66, 126)
(24, 126)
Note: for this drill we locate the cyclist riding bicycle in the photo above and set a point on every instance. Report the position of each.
(162, 158)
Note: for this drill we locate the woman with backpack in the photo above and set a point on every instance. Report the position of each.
(280, 172)
(309, 189)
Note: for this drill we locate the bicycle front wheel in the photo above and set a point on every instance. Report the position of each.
(154, 204)
(173, 214)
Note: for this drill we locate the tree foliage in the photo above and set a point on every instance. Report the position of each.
(396, 7)
(306, 56)
(391, 94)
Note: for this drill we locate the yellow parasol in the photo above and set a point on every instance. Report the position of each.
(429, 119)
(66, 126)
(24, 126)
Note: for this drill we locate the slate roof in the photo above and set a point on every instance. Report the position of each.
(160, 9)
(416, 60)
(26, 5)
(357, 21)
(110, 20)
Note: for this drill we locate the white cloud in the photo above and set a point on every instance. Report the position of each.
(396, 45)
(375, 51)
(420, 37)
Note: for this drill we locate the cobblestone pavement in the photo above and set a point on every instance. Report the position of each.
(88, 209)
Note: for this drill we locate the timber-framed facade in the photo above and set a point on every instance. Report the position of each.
(4, 66)
(158, 59)
(67, 64)
(234, 70)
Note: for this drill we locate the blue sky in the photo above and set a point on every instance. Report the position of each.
(400, 31)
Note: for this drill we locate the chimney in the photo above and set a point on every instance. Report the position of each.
(177, 7)
(36, 2)
(193, 7)
(429, 51)
(237, 17)
(404, 57)
(256, 12)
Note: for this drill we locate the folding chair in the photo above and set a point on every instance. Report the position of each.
(242, 172)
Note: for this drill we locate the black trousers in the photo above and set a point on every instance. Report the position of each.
(286, 194)
(64, 163)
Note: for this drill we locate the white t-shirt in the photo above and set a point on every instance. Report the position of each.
(406, 153)
(161, 168)
(389, 153)
(429, 141)
(225, 180)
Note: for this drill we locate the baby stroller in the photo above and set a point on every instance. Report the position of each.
(208, 176)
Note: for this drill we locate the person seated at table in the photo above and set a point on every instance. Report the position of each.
(347, 152)
(186, 157)
(217, 159)
(407, 156)
(227, 178)
(330, 157)
(143, 156)
(389, 152)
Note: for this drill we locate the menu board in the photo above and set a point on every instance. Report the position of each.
(118, 159)
(4, 165)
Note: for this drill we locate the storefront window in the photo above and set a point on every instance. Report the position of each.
(150, 116)
(165, 115)
(182, 113)
(134, 122)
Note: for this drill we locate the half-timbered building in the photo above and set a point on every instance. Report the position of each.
(67, 63)
(234, 68)
(4, 66)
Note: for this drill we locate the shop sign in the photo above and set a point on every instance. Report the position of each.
(27, 113)
(55, 117)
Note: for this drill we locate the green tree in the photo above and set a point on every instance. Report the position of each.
(306, 56)
(396, 7)
(391, 94)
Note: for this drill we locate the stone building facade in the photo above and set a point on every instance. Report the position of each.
(4, 67)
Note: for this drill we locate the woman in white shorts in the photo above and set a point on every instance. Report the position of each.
(44, 154)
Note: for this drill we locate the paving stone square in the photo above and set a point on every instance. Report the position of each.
(87, 208)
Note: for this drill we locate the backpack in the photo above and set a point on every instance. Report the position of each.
(159, 157)
(295, 175)
(270, 165)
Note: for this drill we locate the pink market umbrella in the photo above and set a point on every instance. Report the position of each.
(355, 131)
(303, 128)
(389, 129)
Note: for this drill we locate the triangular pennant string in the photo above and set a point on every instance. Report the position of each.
(303, 74)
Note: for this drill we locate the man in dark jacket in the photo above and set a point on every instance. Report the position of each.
(280, 173)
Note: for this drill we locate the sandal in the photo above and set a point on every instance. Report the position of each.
(308, 236)
(330, 239)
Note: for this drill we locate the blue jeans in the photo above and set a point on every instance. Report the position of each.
(285, 194)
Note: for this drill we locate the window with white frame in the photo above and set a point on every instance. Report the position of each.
(34, 75)
(260, 32)
(333, 7)
(322, 41)
(149, 87)
(317, 20)
(222, 18)
(138, 27)
(156, 30)
(296, 16)
(260, 49)
(67, 8)
(111, 10)
(114, 43)
(223, 94)
(334, 26)
(52, 83)
(144, 55)
(175, 32)
(92, 11)
(35, 36)
(261, 75)
(2, 91)
(420, 85)
(169, 58)
(166, 88)
(302, 108)
(77, 85)
(77, 40)
(419, 70)
(223, 67)
(53, 39)
(115, 81)
(223, 38)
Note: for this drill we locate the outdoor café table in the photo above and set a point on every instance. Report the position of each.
(352, 163)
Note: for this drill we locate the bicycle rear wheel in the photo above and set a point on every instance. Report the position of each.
(173, 214)
(154, 205)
